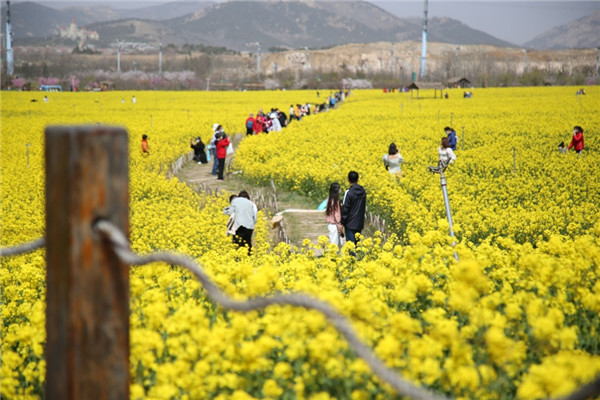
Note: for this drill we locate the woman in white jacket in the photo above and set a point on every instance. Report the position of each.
(446, 154)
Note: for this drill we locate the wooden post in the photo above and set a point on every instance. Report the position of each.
(87, 313)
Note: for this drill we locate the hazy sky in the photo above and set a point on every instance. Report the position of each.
(514, 21)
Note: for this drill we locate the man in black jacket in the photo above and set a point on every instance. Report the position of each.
(353, 208)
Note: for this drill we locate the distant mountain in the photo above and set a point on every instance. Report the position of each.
(166, 11)
(448, 30)
(581, 33)
(235, 24)
(33, 20)
(135, 30)
(314, 24)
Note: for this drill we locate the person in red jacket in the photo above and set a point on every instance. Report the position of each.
(577, 141)
(259, 122)
(222, 143)
(250, 125)
(145, 147)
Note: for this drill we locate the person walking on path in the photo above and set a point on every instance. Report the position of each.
(353, 208)
(222, 143)
(333, 215)
(577, 141)
(452, 140)
(213, 148)
(245, 212)
(392, 160)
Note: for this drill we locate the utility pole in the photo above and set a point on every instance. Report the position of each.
(424, 46)
(9, 52)
(257, 44)
(307, 56)
(118, 56)
(524, 61)
(257, 58)
(160, 58)
(392, 59)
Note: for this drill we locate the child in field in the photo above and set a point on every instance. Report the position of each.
(145, 147)
(577, 141)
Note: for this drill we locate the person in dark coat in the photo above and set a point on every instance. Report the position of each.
(353, 208)
(452, 139)
(199, 154)
(283, 119)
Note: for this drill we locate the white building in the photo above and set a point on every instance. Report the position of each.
(76, 33)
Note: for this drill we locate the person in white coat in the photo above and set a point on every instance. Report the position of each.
(446, 155)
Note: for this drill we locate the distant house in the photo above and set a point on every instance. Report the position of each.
(253, 86)
(459, 82)
(425, 86)
(107, 85)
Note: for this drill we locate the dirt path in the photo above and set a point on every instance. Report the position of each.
(297, 225)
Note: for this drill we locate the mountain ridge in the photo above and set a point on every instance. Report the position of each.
(581, 33)
(273, 23)
(290, 24)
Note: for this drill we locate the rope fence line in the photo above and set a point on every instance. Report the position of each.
(120, 245)
(23, 248)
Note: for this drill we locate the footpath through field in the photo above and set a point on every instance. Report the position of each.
(294, 217)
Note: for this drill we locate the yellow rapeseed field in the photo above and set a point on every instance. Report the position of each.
(517, 317)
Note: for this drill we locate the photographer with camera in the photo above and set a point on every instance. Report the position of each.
(199, 154)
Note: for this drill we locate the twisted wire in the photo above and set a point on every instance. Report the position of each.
(402, 386)
(121, 248)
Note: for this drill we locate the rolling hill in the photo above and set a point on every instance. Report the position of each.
(274, 24)
(289, 24)
(581, 33)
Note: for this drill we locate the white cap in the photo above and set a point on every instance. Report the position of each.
(215, 126)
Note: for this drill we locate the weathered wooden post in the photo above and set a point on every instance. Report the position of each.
(87, 313)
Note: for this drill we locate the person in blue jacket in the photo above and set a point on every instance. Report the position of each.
(452, 140)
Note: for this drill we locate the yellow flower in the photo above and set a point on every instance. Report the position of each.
(271, 389)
